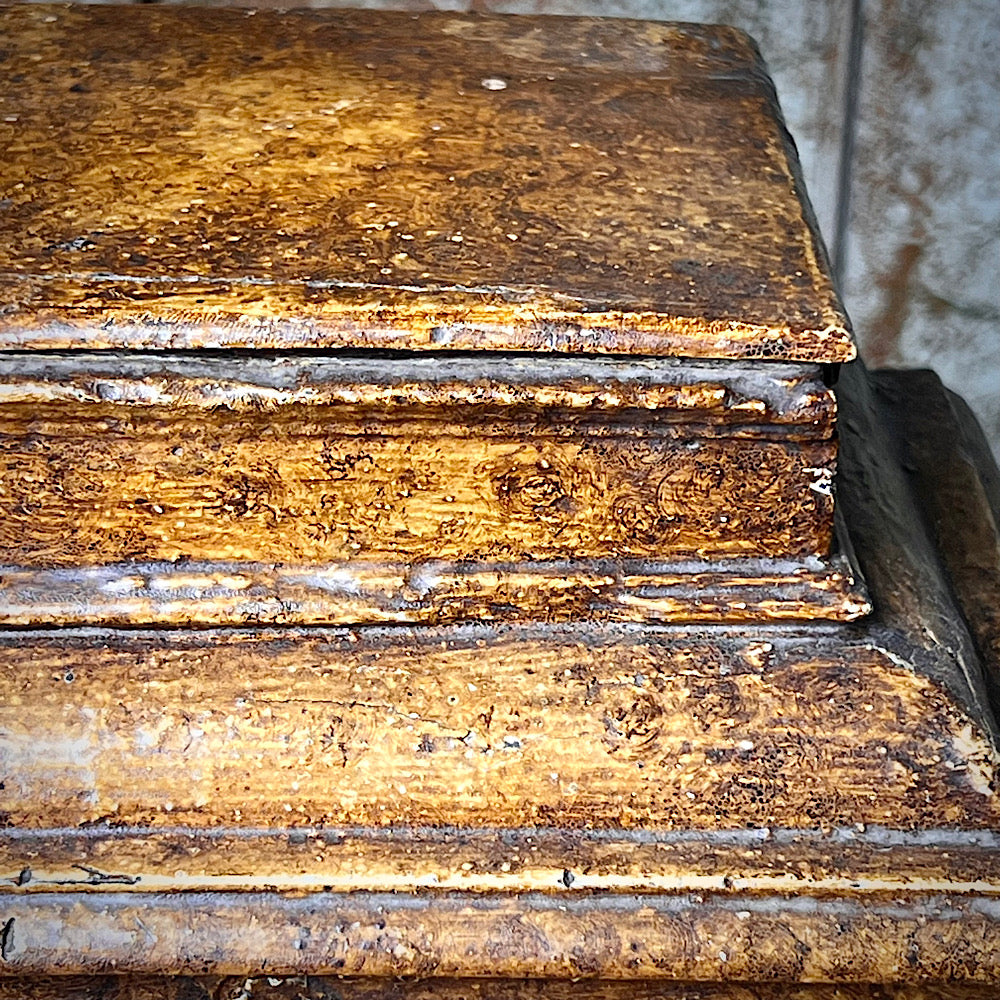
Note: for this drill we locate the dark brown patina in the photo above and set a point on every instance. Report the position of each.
(196, 178)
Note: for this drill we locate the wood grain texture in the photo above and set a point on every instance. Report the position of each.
(857, 862)
(138, 489)
(480, 726)
(693, 937)
(434, 592)
(803, 803)
(313, 987)
(346, 179)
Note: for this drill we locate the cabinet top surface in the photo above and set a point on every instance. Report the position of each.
(220, 178)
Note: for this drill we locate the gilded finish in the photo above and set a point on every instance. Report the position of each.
(798, 803)
(317, 461)
(907, 937)
(192, 178)
(432, 592)
(559, 797)
(850, 862)
(603, 727)
(343, 490)
(313, 987)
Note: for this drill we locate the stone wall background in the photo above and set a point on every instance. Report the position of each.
(895, 107)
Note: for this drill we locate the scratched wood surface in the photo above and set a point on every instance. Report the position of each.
(856, 862)
(480, 726)
(810, 802)
(167, 488)
(309, 461)
(433, 592)
(320, 179)
(886, 748)
(908, 938)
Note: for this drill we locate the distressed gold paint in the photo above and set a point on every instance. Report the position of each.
(861, 861)
(310, 179)
(556, 800)
(502, 727)
(553, 937)
(309, 486)
(306, 986)
(430, 592)
(165, 488)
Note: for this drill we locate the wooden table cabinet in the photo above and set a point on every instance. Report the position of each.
(446, 536)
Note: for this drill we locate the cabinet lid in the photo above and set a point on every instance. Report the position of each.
(219, 178)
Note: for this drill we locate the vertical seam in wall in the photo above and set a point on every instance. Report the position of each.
(848, 132)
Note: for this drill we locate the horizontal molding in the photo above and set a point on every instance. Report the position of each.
(355, 475)
(853, 862)
(695, 936)
(634, 727)
(673, 390)
(432, 592)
